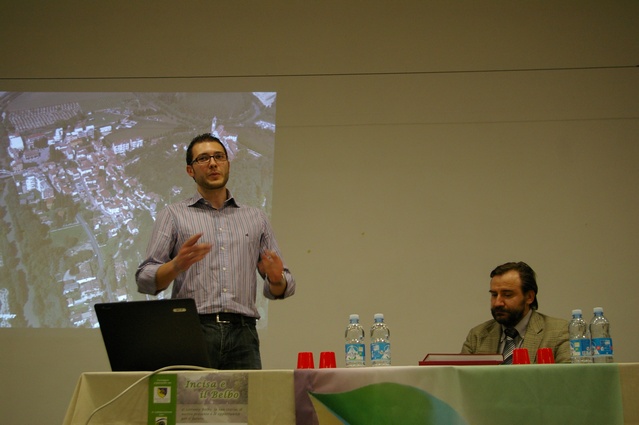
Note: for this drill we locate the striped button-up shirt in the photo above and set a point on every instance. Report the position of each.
(225, 280)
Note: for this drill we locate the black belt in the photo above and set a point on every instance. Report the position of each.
(232, 318)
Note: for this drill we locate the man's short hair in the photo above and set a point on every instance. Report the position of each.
(206, 137)
(526, 275)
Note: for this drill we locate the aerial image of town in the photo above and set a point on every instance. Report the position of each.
(82, 177)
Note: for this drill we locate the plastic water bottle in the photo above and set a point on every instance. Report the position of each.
(355, 348)
(600, 334)
(579, 339)
(380, 342)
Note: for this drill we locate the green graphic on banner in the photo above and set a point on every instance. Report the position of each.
(162, 399)
(466, 395)
(388, 403)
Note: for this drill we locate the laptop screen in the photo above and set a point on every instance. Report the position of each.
(150, 335)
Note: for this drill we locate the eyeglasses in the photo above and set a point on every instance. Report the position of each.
(205, 159)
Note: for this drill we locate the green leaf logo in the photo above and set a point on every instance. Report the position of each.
(388, 403)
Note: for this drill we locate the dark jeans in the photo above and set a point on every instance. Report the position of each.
(231, 346)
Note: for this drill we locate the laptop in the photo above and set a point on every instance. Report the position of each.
(150, 335)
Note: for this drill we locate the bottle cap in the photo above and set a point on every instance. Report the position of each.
(378, 316)
(576, 311)
(597, 310)
(354, 317)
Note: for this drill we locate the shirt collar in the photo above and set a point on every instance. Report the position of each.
(198, 199)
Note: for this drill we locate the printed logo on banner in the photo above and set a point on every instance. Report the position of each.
(162, 394)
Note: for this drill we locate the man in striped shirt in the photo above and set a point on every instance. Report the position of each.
(210, 247)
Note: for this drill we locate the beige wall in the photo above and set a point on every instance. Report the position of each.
(419, 144)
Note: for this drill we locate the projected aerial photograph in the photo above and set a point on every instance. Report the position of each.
(82, 177)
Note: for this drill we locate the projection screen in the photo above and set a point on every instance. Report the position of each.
(82, 177)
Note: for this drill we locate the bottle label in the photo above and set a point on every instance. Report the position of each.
(380, 351)
(602, 347)
(355, 353)
(579, 347)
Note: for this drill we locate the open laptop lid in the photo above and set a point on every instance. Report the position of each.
(149, 335)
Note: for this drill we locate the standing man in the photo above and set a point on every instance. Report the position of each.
(210, 247)
(513, 305)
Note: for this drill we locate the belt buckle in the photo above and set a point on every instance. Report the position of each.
(217, 319)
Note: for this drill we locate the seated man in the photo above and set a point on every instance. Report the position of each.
(513, 305)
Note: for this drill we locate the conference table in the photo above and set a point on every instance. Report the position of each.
(454, 395)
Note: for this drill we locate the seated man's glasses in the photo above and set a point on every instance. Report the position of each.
(206, 158)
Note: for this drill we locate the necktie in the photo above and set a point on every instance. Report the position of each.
(511, 334)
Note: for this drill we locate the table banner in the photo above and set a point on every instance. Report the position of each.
(459, 395)
(198, 398)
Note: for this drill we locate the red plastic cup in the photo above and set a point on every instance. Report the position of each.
(305, 360)
(327, 360)
(545, 356)
(520, 356)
